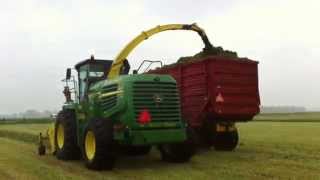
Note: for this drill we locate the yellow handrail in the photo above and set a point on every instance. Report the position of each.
(120, 58)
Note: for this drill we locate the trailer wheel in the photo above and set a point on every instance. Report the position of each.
(98, 147)
(179, 152)
(66, 136)
(137, 150)
(226, 141)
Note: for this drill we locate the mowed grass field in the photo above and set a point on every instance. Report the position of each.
(33, 129)
(277, 149)
(290, 117)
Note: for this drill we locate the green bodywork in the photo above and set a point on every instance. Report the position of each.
(122, 99)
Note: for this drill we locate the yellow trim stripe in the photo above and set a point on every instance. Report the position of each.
(110, 94)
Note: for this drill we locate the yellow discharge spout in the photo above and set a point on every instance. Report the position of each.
(121, 57)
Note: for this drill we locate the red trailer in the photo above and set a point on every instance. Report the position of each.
(215, 93)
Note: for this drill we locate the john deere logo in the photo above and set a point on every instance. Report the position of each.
(157, 99)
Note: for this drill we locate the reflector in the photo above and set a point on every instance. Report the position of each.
(144, 117)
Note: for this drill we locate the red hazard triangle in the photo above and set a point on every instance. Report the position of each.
(219, 98)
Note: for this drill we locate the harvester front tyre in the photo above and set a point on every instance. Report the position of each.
(226, 141)
(98, 147)
(66, 136)
(176, 153)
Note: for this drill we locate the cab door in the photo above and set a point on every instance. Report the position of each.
(82, 107)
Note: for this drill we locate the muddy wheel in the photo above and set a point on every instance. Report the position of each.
(66, 136)
(98, 147)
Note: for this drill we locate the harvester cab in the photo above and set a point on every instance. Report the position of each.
(115, 112)
(90, 71)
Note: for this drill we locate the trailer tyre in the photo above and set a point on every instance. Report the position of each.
(66, 136)
(98, 146)
(226, 141)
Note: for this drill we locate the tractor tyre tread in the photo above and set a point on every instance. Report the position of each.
(226, 141)
(104, 158)
(179, 152)
(70, 150)
(136, 150)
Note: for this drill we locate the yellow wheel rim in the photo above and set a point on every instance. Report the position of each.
(60, 136)
(90, 145)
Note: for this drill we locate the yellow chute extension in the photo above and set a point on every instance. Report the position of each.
(121, 57)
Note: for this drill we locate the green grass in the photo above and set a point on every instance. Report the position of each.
(19, 136)
(25, 131)
(289, 117)
(26, 121)
(267, 150)
(33, 129)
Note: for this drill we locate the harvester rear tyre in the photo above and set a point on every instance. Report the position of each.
(103, 157)
(68, 150)
(176, 153)
(137, 150)
(226, 141)
(179, 152)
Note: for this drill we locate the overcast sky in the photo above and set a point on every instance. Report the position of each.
(41, 38)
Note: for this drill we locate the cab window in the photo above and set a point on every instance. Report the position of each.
(96, 71)
(83, 73)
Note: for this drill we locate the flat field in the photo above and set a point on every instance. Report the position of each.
(290, 117)
(284, 148)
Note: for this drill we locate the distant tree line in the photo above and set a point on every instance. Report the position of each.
(282, 109)
(28, 114)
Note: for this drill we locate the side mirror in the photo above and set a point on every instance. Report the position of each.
(68, 74)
